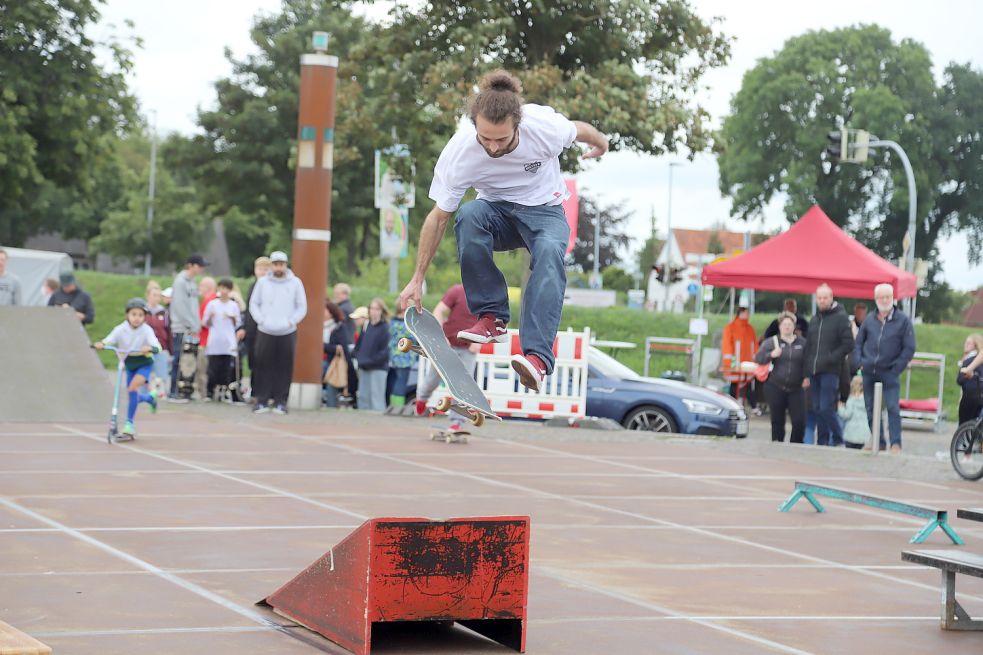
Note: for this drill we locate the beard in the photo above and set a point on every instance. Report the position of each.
(885, 307)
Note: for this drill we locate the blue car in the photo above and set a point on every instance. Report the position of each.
(616, 392)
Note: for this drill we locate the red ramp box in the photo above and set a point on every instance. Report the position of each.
(471, 570)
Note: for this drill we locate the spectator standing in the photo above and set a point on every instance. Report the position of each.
(970, 380)
(372, 356)
(260, 268)
(856, 432)
(72, 296)
(739, 344)
(337, 341)
(885, 346)
(10, 291)
(48, 287)
(801, 324)
(453, 315)
(206, 294)
(185, 319)
(830, 339)
(783, 389)
(859, 316)
(158, 318)
(400, 363)
(223, 319)
(278, 304)
(341, 294)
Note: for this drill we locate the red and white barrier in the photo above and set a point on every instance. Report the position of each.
(564, 394)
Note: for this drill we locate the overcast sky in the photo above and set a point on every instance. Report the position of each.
(184, 40)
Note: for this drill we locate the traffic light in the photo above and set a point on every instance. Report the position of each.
(676, 274)
(837, 147)
(660, 272)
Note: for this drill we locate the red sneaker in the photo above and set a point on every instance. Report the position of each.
(531, 370)
(488, 329)
(420, 408)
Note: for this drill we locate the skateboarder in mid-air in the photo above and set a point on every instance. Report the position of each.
(510, 154)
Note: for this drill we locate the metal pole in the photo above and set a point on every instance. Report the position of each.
(698, 359)
(150, 195)
(393, 275)
(668, 262)
(912, 207)
(312, 213)
(875, 428)
(597, 246)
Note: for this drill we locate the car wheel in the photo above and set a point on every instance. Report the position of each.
(652, 419)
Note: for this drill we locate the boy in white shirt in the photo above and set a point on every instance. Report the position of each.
(134, 335)
(510, 154)
(223, 318)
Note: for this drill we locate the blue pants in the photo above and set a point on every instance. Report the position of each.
(372, 389)
(137, 397)
(891, 398)
(396, 382)
(825, 390)
(482, 227)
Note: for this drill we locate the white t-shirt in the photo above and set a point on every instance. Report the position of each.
(225, 319)
(529, 175)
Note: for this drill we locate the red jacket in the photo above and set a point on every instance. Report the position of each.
(160, 322)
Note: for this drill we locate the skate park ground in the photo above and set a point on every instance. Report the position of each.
(639, 544)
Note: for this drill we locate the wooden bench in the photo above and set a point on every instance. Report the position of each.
(15, 642)
(938, 518)
(950, 562)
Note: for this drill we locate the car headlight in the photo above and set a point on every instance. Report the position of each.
(700, 407)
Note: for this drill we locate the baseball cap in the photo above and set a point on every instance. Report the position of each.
(360, 312)
(278, 256)
(168, 292)
(66, 279)
(196, 258)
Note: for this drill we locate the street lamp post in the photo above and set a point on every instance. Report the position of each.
(668, 261)
(150, 195)
(909, 251)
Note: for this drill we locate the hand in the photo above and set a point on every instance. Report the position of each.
(597, 149)
(146, 350)
(81, 316)
(98, 345)
(805, 383)
(412, 294)
(776, 353)
(240, 334)
(966, 372)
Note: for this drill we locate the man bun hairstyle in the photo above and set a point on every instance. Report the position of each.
(499, 98)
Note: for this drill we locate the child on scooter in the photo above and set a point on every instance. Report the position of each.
(134, 335)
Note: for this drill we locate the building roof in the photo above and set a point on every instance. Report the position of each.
(697, 242)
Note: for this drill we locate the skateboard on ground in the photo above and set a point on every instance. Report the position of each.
(445, 434)
(465, 394)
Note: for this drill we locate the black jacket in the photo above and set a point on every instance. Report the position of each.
(830, 340)
(79, 300)
(372, 349)
(885, 348)
(340, 336)
(801, 324)
(787, 368)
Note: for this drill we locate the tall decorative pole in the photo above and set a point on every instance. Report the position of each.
(312, 213)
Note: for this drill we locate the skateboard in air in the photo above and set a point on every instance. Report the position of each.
(445, 434)
(465, 394)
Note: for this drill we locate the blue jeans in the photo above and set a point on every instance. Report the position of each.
(891, 397)
(372, 389)
(484, 226)
(809, 436)
(825, 390)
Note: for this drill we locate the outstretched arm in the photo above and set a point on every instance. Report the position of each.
(587, 133)
(430, 235)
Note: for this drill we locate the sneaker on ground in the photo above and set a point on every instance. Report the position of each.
(488, 329)
(280, 409)
(455, 427)
(128, 429)
(178, 399)
(261, 408)
(531, 370)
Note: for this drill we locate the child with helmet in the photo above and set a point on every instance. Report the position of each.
(134, 336)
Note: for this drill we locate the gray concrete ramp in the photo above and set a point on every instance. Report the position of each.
(47, 370)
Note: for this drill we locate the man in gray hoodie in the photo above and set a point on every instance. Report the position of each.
(185, 319)
(278, 305)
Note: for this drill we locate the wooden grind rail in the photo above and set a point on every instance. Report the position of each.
(15, 642)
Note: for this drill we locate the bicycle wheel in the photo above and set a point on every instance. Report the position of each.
(966, 451)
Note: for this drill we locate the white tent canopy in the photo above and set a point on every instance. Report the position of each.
(33, 267)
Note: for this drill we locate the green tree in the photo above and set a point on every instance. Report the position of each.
(648, 253)
(617, 278)
(859, 77)
(61, 109)
(614, 239)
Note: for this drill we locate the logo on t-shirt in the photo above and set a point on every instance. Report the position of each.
(533, 167)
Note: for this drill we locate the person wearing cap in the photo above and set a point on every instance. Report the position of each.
(10, 291)
(185, 320)
(278, 304)
(70, 295)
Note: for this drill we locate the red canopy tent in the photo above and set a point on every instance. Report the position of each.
(814, 250)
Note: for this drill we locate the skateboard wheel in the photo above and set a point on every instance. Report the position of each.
(477, 420)
(444, 404)
(404, 345)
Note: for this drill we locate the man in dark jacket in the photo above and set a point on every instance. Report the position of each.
(70, 295)
(801, 324)
(885, 346)
(828, 342)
